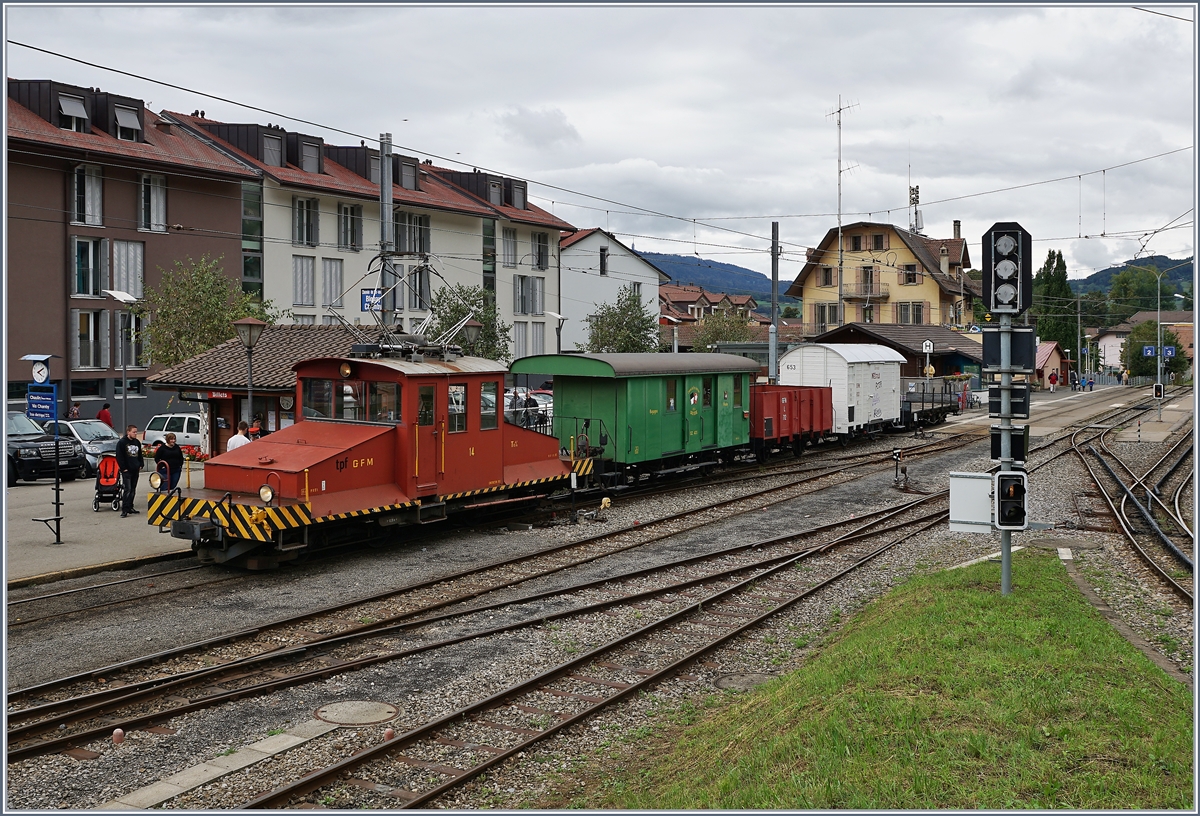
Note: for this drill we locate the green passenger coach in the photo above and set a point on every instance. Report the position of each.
(648, 413)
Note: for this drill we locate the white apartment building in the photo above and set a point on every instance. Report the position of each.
(595, 267)
(310, 232)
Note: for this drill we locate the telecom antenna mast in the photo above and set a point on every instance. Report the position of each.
(841, 316)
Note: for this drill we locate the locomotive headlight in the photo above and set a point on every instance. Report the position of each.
(156, 480)
(266, 493)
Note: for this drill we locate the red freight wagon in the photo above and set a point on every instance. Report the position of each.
(783, 414)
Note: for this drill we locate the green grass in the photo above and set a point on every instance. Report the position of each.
(943, 694)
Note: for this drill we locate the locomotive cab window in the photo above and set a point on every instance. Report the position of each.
(707, 392)
(425, 405)
(488, 416)
(672, 405)
(458, 408)
(383, 403)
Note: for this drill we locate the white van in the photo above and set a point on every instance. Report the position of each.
(186, 428)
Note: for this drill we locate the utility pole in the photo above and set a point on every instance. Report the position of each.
(773, 362)
(1079, 339)
(387, 273)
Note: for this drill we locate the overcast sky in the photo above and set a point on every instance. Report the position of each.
(711, 112)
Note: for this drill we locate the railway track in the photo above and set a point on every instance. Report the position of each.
(70, 720)
(1167, 550)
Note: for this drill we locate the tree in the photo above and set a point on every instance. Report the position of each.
(1094, 306)
(1054, 308)
(1135, 289)
(626, 326)
(449, 305)
(1146, 334)
(722, 327)
(790, 313)
(193, 309)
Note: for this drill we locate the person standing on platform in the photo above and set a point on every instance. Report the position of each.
(129, 460)
(240, 438)
(1091, 382)
(104, 416)
(170, 455)
(1053, 380)
(74, 412)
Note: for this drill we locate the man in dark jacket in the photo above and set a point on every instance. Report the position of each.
(129, 460)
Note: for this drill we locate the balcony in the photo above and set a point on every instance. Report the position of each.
(865, 291)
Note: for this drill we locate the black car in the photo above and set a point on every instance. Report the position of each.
(31, 452)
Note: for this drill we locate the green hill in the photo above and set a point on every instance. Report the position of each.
(716, 276)
(1180, 273)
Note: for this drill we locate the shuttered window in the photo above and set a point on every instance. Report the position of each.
(541, 250)
(418, 287)
(89, 343)
(90, 261)
(152, 206)
(310, 157)
(520, 339)
(510, 247)
(331, 278)
(127, 269)
(273, 151)
(303, 271)
(350, 234)
(88, 195)
(537, 336)
(305, 220)
(528, 294)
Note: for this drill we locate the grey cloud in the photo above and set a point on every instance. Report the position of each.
(544, 128)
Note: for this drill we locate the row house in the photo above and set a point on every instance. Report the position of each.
(102, 195)
(595, 267)
(311, 232)
(888, 275)
(691, 303)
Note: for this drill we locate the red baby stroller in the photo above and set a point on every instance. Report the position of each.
(109, 489)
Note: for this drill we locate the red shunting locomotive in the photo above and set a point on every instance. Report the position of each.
(379, 442)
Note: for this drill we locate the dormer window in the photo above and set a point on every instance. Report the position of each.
(272, 154)
(518, 196)
(73, 114)
(128, 125)
(856, 243)
(496, 193)
(310, 157)
(374, 171)
(408, 176)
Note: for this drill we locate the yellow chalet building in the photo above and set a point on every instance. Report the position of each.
(889, 275)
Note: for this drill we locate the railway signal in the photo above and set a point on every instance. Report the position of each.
(1007, 269)
(1012, 487)
(1158, 391)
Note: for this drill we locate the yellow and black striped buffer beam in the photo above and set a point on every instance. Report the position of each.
(238, 520)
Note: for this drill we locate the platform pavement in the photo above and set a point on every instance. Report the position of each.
(89, 539)
(1050, 413)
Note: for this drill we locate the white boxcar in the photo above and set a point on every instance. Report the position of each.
(864, 378)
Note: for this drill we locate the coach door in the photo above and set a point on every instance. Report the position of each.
(708, 413)
(673, 426)
(428, 439)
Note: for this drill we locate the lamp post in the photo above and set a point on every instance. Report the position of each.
(471, 331)
(248, 331)
(126, 298)
(558, 328)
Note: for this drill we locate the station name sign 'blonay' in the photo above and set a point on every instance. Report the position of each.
(1007, 293)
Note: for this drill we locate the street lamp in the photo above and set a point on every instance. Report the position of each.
(558, 328)
(471, 331)
(126, 298)
(248, 331)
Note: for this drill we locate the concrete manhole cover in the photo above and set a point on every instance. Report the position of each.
(356, 712)
(743, 682)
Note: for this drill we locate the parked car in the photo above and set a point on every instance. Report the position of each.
(32, 455)
(95, 436)
(186, 428)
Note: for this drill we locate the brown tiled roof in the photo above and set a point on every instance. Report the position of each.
(435, 193)
(1167, 317)
(906, 338)
(759, 333)
(568, 238)
(178, 149)
(279, 348)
